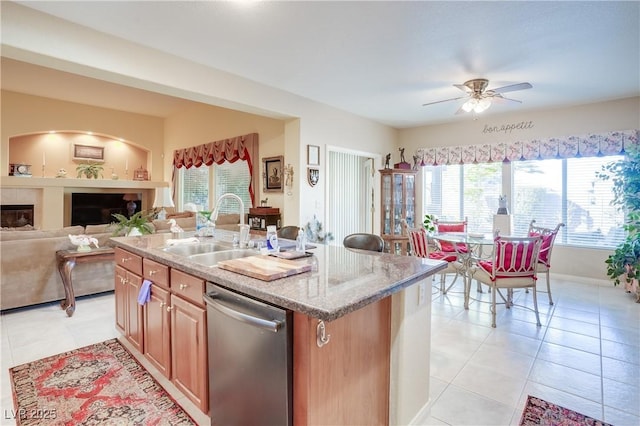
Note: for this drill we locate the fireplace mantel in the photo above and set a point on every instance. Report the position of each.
(55, 194)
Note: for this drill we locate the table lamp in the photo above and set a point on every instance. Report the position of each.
(162, 200)
(131, 203)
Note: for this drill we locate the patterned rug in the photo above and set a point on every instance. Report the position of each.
(540, 412)
(97, 384)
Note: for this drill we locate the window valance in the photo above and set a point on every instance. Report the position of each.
(589, 145)
(233, 149)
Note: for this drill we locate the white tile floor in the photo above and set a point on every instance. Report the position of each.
(586, 356)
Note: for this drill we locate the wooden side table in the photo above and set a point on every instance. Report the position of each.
(67, 260)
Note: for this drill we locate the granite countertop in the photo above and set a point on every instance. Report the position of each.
(341, 280)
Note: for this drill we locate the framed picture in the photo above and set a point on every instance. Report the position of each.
(273, 177)
(88, 152)
(313, 155)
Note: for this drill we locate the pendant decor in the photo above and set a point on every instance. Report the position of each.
(313, 176)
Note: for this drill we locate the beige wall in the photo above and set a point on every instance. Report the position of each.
(621, 114)
(25, 114)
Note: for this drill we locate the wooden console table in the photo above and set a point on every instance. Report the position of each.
(67, 260)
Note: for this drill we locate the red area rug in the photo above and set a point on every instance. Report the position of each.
(540, 412)
(97, 384)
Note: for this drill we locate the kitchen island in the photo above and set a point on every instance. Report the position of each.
(361, 325)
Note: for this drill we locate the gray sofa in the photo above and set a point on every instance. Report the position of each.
(28, 268)
(29, 273)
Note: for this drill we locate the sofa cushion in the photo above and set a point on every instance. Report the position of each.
(30, 235)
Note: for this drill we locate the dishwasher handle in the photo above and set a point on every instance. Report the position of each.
(212, 299)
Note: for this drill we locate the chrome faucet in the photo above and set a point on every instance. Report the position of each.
(227, 195)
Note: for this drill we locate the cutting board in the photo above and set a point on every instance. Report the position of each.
(266, 268)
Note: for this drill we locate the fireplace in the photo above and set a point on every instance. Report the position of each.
(98, 208)
(16, 215)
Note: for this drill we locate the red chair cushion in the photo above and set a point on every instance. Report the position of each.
(545, 247)
(451, 247)
(447, 257)
(521, 262)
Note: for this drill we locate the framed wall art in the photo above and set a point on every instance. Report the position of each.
(273, 176)
(313, 176)
(313, 155)
(88, 152)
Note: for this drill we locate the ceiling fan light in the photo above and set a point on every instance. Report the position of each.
(470, 105)
(482, 105)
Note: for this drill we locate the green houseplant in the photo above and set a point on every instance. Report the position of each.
(138, 224)
(429, 223)
(90, 170)
(624, 263)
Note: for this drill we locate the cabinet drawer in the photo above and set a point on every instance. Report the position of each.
(187, 286)
(156, 272)
(128, 261)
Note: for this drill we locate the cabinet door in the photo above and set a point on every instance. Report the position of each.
(157, 342)
(120, 291)
(134, 312)
(189, 351)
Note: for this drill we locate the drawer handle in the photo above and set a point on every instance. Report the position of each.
(125, 259)
(152, 272)
(169, 308)
(183, 286)
(162, 305)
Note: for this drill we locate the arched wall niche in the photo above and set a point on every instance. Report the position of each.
(49, 151)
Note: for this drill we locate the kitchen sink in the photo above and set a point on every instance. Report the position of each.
(212, 258)
(198, 248)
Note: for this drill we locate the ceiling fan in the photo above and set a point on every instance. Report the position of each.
(479, 98)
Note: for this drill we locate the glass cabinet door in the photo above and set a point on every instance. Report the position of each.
(398, 200)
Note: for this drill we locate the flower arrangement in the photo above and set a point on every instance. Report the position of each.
(128, 225)
(314, 233)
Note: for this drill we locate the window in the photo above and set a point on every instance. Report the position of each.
(568, 191)
(453, 192)
(203, 185)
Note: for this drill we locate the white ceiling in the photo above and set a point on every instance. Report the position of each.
(380, 60)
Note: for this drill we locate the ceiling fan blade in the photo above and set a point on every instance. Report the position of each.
(444, 100)
(464, 88)
(499, 99)
(511, 88)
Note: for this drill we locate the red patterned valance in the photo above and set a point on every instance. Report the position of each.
(231, 150)
(590, 145)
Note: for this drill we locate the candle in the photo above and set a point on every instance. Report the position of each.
(126, 164)
(43, 159)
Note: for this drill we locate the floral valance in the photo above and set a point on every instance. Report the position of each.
(231, 150)
(589, 145)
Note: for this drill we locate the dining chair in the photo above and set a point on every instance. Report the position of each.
(451, 226)
(419, 243)
(289, 232)
(544, 260)
(513, 265)
(364, 241)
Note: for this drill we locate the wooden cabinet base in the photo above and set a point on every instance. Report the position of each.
(345, 381)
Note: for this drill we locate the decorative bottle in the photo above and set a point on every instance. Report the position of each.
(300, 241)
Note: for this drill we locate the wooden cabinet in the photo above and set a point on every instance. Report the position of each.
(189, 351)
(171, 328)
(129, 314)
(398, 202)
(347, 380)
(189, 338)
(157, 316)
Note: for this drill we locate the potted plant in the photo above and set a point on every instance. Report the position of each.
(624, 263)
(137, 224)
(90, 170)
(429, 223)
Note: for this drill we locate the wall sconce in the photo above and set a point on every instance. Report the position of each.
(288, 178)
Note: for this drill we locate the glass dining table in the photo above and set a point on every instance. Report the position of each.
(469, 247)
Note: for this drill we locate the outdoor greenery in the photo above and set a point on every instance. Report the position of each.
(625, 176)
(140, 220)
(90, 170)
(428, 222)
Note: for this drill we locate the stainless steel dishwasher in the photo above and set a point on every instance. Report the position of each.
(250, 360)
